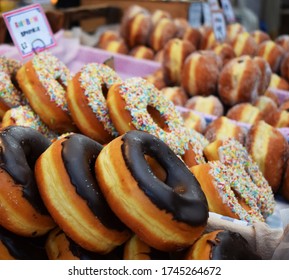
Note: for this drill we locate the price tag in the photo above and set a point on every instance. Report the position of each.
(195, 14)
(228, 11)
(219, 25)
(214, 5)
(29, 29)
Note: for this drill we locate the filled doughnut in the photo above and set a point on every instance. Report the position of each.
(23, 115)
(142, 52)
(86, 95)
(283, 41)
(116, 46)
(232, 153)
(244, 44)
(269, 149)
(136, 249)
(167, 213)
(22, 210)
(229, 191)
(43, 80)
(225, 51)
(59, 246)
(222, 245)
(83, 214)
(267, 107)
(266, 74)
(193, 120)
(176, 94)
(233, 30)
(194, 36)
(107, 36)
(260, 36)
(10, 95)
(15, 247)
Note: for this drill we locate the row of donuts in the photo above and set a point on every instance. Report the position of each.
(132, 104)
(75, 199)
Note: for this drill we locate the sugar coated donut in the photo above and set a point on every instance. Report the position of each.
(260, 36)
(22, 209)
(229, 191)
(10, 95)
(176, 94)
(86, 94)
(222, 245)
(166, 214)
(244, 44)
(83, 214)
(142, 52)
(43, 81)
(266, 74)
(135, 104)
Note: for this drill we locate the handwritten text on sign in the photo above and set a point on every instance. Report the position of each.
(29, 29)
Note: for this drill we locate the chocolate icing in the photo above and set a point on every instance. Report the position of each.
(231, 246)
(180, 194)
(20, 147)
(22, 248)
(79, 154)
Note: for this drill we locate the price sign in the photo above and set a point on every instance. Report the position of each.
(29, 29)
(214, 5)
(219, 25)
(228, 11)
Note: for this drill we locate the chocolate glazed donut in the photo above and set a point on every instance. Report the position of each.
(73, 197)
(168, 213)
(21, 208)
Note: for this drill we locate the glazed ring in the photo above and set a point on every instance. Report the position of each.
(166, 213)
(136, 104)
(15, 247)
(43, 81)
(10, 96)
(22, 210)
(233, 153)
(73, 197)
(86, 94)
(23, 115)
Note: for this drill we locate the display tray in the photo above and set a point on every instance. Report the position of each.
(75, 56)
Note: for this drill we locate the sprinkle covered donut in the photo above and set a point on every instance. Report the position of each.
(10, 96)
(73, 197)
(167, 213)
(43, 81)
(22, 210)
(86, 94)
(136, 104)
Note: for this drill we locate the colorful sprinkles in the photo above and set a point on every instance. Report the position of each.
(138, 94)
(53, 75)
(92, 79)
(233, 153)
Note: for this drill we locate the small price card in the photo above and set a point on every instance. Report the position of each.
(228, 11)
(29, 29)
(219, 25)
(214, 5)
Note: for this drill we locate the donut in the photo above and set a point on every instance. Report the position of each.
(266, 74)
(176, 94)
(43, 80)
(10, 95)
(157, 79)
(272, 53)
(267, 107)
(182, 25)
(210, 105)
(239, 81)
(59, 246)
(245, 113)
(83, 214)
(222, 128)
(260, 36)
(136, 249)
(116, 46)
(193, 120)
(107, 36)
(135, 104)
(233, 29)
(16, 247)
(232, 153)
(159, 14)
(284, 68)
(280, 119)
(225, 51)
(200, 73)
(161, 33)
(22, 210)
(86, 94)
(283, 41)
(194, 36)
(167, 214)
(222, 245)
(23, 115)
(208, 39)
(229, 191)
(269, 149)
(244, 44)
(175, 53)
(142, 52)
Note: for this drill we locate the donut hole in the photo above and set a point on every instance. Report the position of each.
(156, 168)
(60, 82)
(157, 117)
(104, 90)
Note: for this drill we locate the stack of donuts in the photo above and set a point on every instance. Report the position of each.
(121, 167)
